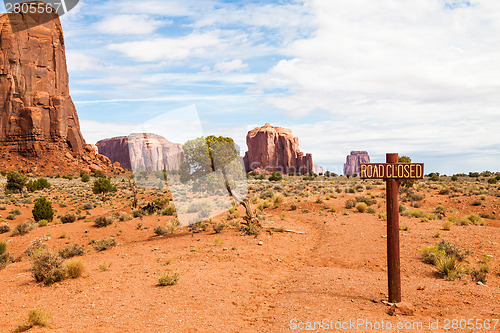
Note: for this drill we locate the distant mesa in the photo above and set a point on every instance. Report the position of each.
(317, 169)
(39, 127)
(275, 149)
(151, 151)
(353, 162)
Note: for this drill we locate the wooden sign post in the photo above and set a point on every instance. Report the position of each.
(392, 171)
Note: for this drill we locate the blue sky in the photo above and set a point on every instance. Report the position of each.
(421, 78)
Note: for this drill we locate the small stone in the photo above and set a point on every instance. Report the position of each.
(402, 308)
(260, 243)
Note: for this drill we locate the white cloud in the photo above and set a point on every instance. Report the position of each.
(77, 61)
(130, 24)
(230, 66)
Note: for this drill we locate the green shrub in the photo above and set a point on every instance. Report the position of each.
(447, 225)
(103, 185)
(275, 176)
(11, 217)
(251, 229)
(15, 182)
(168, 279)
(88, 205)
(160, 230)
(3, 247)
(103, 243)
(47, 267)
(71, 251)
(382, 215)
(293, 207)
(43, 223)
(169, 210)
(43, 210)
(371, 210)
(85, 177)
(475, 219)
(430, 254)
(368, 201)
(36, 244)
(453, 250)
(15, 211)
(68, 218)
(103, 221)
(39, 184)
(450, 268)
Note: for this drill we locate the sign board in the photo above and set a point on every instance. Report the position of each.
(391, 171)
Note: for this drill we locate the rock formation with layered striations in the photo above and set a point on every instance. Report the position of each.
(39, 127)
(151, 151)
(353, 161)
(275, 149)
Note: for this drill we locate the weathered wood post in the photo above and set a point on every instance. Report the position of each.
(393, 261)
(392, 171)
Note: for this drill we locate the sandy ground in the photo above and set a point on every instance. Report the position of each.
(333, 273)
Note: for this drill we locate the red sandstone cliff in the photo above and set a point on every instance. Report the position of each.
(275, 149)
(354, 160)
(39, 127)
(152, 151)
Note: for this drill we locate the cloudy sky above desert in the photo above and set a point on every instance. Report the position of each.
(421, 78)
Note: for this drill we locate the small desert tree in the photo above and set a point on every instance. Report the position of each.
(43, 210)
(103, 185)
(15, 182)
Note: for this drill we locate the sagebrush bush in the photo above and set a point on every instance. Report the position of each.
(103, 243)
(22, 228)
(450, 268)
(47, 267)
(169, 210)
(103, 221)
(71, 251)
(350, 203)
(430, 254)
(103, 185)
(361, 207)
(160, 230)
(4, 228)
(122, 216)
(68, 218)
(43, 210)
(88, 205)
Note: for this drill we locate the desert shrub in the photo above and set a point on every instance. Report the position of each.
(275, 176)
(36, 244)
(71, 251)
(293, 207)
(477, 202)
(415, 196)
(169, 210)
(122, 216)
(447, 225)
(416, 213)
(74, 268)
(492, 181)
(269, 193)
(475, 219)
(168, 279)
(361, 207)
(368, 201)
(103, 243)
(85, 177)
(439, 209)
(36, 185)
(103, 185)
(4, 228)
(430, 254)
(43, 223)
(160, 230)
(47, 267)
(15, 211)
(450, 268)
(251, 229)
(3, 247)
(138, 213)
(43, 210)
(36, 317)
(382, 215)
(68, 218)
(3, 208)
(218, 227)
(278, 199)
(350, 203)
(22, 228)
(11, 217)
(371, 210)
(453, 250)
(479, 275)
(15, 182)
(88, 205)
(103, 221)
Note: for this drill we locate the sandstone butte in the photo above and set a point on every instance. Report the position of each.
(353, 162)
(151, 151)
(275, 149)
(39, 127)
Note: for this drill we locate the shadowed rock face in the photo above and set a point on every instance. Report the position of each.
(275, 149)
(152, 151)
(354, 160)
(37, 114)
